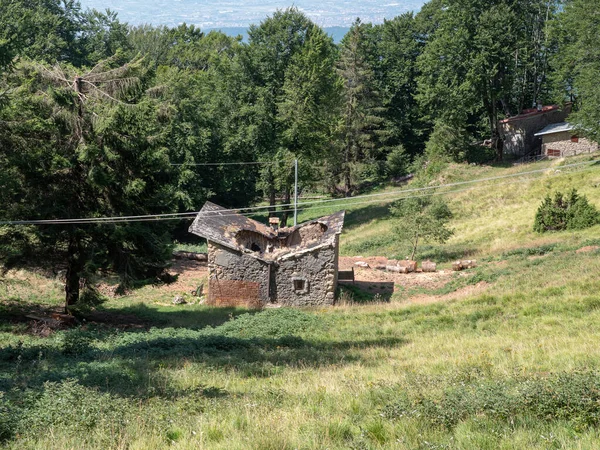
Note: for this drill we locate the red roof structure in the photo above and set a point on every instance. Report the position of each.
(527, 113)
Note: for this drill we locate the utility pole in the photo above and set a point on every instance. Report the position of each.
(295, 192)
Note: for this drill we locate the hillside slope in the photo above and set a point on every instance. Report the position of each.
(490, 216)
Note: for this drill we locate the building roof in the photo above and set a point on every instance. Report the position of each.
(533, 112)
(224, 226)
(555, 128)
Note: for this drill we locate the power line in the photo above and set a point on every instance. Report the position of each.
(257, 209)
(232, 212)
(248, 163)
(348, 202)
(458, 183)
(403, 191)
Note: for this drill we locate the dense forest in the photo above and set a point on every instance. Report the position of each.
(100, 119)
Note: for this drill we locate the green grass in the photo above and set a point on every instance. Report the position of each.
(187, 247)
(488, 218)
(513, 367)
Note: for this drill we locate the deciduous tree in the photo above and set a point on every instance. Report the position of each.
(421, 219)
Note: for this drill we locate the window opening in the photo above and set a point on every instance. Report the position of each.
(300, 285)
(254, 247)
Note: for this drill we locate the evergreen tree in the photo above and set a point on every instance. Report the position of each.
(361, 120)
(398, 47)
(84, 146)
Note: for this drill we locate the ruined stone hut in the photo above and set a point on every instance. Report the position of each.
(561, 140)
(251, 264)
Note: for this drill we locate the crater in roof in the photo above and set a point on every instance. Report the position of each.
(243, 234)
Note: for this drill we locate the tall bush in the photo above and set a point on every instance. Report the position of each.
(565, 212)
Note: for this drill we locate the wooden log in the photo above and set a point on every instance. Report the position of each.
(394, 269)
(65, 318)
(469, 264)
(462, 265)
(203, 257)
(428, 266)
(410, 266)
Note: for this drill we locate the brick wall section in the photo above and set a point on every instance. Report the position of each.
(225, 264)
(234, 293)
(562, 142)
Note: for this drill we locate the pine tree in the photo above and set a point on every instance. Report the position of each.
(84, 146)
(361, 109)
(289, 64)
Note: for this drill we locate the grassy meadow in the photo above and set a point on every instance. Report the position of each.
(504, 356)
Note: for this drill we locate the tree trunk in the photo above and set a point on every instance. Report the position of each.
(414, 250)
(496, 141)
(347, 175)
(73, 275)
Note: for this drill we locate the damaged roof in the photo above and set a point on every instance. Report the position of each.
(223, 226)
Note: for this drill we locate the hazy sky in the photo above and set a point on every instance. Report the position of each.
(241, 13)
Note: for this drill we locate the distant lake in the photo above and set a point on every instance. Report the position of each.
(231, 14)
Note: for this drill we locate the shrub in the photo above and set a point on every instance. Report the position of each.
(480, 154)
(9, 417)
(565, 212)
(270, 323)
(75, 342)
(67, 405)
